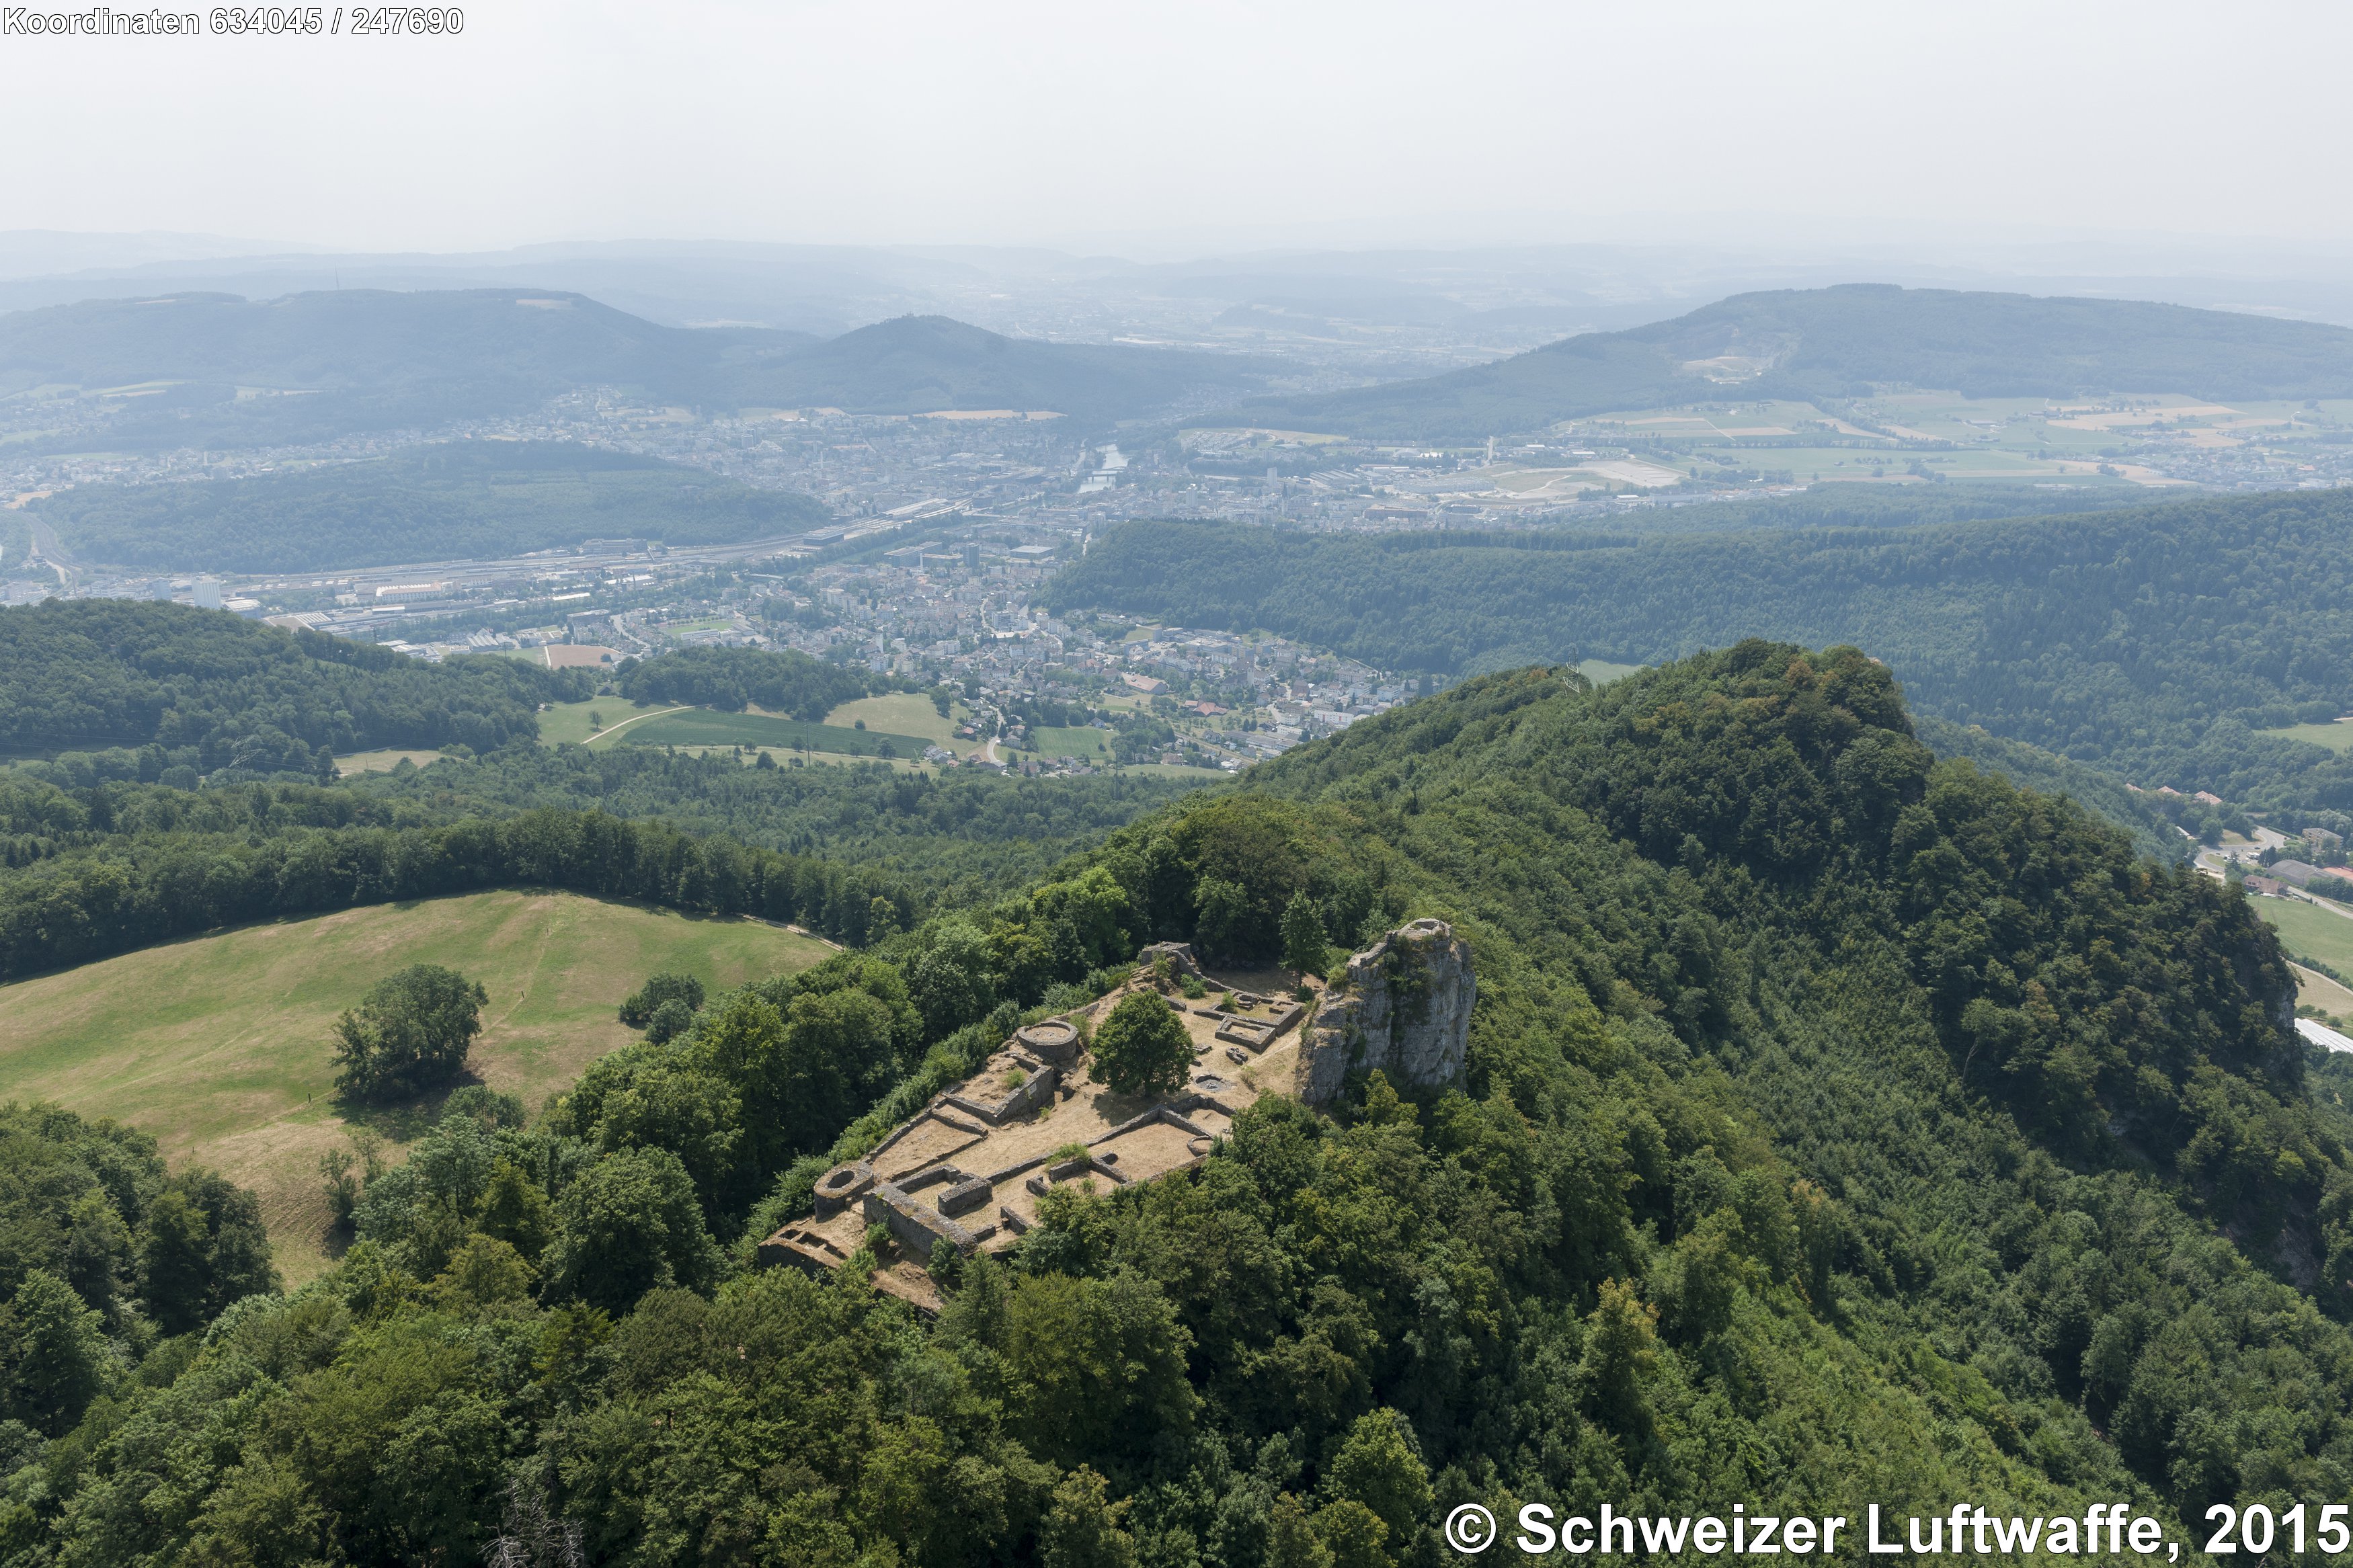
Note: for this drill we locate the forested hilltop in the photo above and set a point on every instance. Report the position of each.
(312, 366)
(1841, 1126)
(201, 691)
(97, 865)
(2155, 643)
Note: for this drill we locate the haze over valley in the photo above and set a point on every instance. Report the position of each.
(1066, 789)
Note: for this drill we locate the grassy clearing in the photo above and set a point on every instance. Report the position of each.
(570, 720)
(904, 713)
(2336, 737)
(219, 1045)
(1601, 672)
(2307, 931)
(382, 761)
(599, 721)
(908, 721)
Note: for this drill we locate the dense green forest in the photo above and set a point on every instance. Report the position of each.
(1841, 1126)
(204, 691)
(311, 367)
(1838, 342)
(961, 836)
(107, 1262)
(2155, 643)
(458, 500)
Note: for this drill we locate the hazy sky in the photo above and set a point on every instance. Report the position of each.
(1107, 125)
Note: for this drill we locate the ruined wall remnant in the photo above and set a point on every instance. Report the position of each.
(1180, 958)
(968, 1168)
(914, 1225)
(1405, 1010)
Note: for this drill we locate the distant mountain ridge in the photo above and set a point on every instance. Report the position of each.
(1838, 342)
(355, 340)
(368, 358)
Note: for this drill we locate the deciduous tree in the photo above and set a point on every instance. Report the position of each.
(410, 1033)
(1142, 1049)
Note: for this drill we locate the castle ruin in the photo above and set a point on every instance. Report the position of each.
(970, 1169)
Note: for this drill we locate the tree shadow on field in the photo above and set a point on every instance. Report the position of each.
(405, 1120)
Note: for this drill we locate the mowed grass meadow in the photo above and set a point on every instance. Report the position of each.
(1080, 740)
(2310, 932)
(221, 1047)
(906, 713)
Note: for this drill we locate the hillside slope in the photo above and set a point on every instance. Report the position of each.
(444, 502)
(222, 1047)
(1839, 1128)
(1738, 876)
(2156, 642)
(1838, 342)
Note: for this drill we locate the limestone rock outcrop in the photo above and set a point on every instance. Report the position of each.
(1404, 1011)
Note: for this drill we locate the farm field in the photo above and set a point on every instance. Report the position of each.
(1890, 462)
(1777, 417)
(1996, 439)
(219, 1045)
(906, 719)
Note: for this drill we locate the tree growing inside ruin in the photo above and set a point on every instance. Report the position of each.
(1304, 948)
(1142, 1049)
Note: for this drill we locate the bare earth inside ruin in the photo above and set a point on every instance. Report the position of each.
(971, 1167)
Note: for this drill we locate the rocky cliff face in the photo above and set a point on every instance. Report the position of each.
(1406, 1011)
